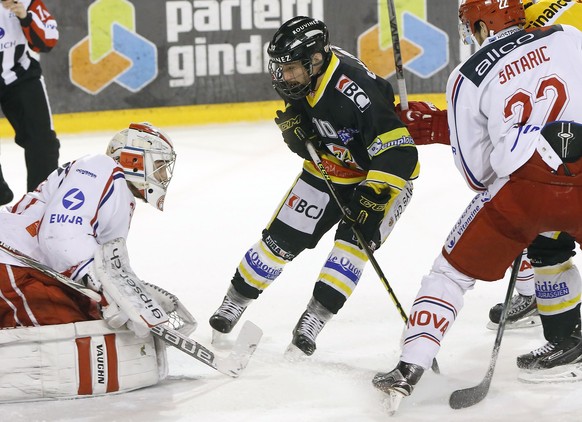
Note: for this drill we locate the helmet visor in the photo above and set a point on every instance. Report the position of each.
(465, 32)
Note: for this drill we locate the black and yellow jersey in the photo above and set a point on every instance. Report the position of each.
(553, 12)
(352, 110)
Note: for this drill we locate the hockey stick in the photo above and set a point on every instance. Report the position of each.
(369, 254)
(46, 270)
(232, 365)
(397, 56)
(467, 397)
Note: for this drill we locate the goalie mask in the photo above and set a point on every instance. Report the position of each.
(147, 157)
(294, 44)
(496, 14)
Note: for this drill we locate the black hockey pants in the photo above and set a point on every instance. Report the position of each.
(25, 104)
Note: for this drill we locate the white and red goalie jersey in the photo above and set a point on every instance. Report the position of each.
(80, 206)
(500, 98)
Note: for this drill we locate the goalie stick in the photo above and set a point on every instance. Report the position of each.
(470, 396)
(244, 347)
(46, 270)
(369, 254)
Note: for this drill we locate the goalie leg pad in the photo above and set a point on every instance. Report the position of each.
(77, 359)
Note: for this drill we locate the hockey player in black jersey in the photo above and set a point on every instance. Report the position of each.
(347, 112)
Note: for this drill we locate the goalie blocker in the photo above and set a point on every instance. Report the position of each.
(80, 359)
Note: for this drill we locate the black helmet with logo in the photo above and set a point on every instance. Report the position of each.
(298, 39)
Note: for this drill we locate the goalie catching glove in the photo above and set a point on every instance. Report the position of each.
(425, 122)
(296, 130)
(365, 212)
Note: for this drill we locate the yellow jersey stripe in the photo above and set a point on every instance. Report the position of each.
(558, 306)
(554, 269)
(314, 97)
(249, 278)
(341, 286)
(351, 249)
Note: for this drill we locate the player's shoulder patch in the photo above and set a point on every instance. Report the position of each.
(354, 92)
(486, 58)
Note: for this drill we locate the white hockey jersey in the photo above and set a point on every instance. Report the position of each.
(500, 98)
(82, 204)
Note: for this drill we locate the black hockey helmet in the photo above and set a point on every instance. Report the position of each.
(298, 39)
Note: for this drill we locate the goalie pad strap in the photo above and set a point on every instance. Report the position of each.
(105, 360)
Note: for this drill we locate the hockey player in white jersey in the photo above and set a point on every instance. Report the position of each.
(428, 125)
(514, 118)
(56, 342)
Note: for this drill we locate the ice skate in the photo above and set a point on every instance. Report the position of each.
(306, 331)
(552, 354)
(227, 315)
(308, 328)
(554, 362)
(522, 313)
(398, 383)
(571, 372)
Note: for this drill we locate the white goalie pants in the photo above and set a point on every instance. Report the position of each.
(76, 360)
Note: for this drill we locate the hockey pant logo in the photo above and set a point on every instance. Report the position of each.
(476, 205)
(303, 207)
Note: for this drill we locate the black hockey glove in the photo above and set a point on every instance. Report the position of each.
(296, 129)
(365, 212)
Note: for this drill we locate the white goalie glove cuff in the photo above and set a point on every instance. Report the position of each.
(112, 314)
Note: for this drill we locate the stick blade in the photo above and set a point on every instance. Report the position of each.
(244, 348)
(467, 397)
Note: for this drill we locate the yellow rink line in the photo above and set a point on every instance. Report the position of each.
(99, 121)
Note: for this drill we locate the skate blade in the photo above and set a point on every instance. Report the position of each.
(221, 340)
(528, 322)
(560, 374)
(294, 354)
(391, 403)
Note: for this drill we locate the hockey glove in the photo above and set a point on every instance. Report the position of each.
(425, 122)
(365, 213)
(296, 129)
(180, 318)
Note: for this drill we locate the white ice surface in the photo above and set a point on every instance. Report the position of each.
(228, 181)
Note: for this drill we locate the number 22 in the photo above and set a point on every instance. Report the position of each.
(522, 101)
